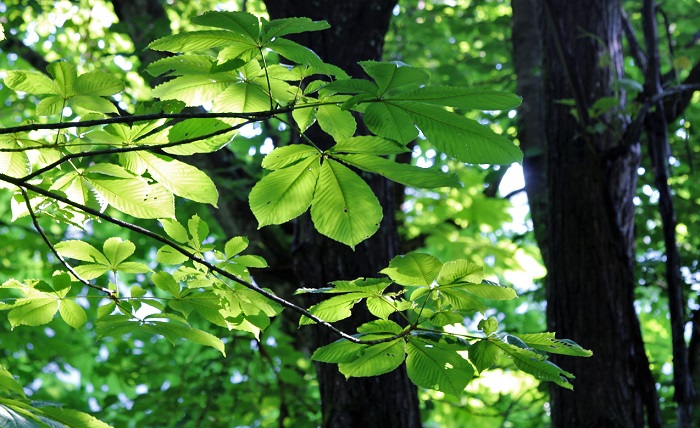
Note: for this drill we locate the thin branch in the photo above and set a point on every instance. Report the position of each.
(32, 214)
(68, 157)
(159, 238)
(259, 115)
(657, 137)
(635, 49)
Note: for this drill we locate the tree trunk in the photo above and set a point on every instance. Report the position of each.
(590, 180)
(357, 33)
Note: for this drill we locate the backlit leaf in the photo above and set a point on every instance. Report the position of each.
(72, 313)
(33, 312)
(344, 207)
(406, 174)
(413, 269)
(286, 193)
(433, 366)
(375, 360)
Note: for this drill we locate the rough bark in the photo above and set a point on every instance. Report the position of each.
(589, 247)
(357, 33)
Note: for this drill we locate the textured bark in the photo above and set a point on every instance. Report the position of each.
(589, 217)
(357, 33)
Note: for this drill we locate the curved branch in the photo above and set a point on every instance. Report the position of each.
(163, 240)
(35, 222)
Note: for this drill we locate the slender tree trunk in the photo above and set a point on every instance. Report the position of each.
(357, 33)
(590, 180)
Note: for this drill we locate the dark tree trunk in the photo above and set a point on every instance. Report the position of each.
(357, 33)
(590, 180)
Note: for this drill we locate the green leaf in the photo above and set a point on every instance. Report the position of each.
(369, 145)
(444, 318)
(352, 86)
(115, 325)
(175, 230)
(431, 365)
(169, 256)
(488, 326)
(199, 230)
(98, 84)
(409, 175)
(105, 310)
(181, 178)
(286, 193)
(92, 103)
(243, 98)
(460, 97)
(235, 245)
(299, 54)
(132, 267)
(548, 343)
(288, 155)
(33, 311)
(133, 195)
(197, 41)
(380, 326)
(250, 260)
(334, 309)
(181, 65)
(338, 123)
(173, 331)
(380, 306)
(65, 75)
(285, 26)
(536, 364)
(375, 360)
(194, 89)
(137, 291)
(490, 291)
(340, 351)
(72, 418)
(79, 250)
(484, 354)
(461, 138)
(51, 105)
(117, 250)
(194, 128)
(72, 313)
(167, 283)
(460, 299)
(14, 164)
(390, 121)
(413, 269)
(91, 271)
(8, 384)
(460, 271)
(244, 24)
(344, 207)
(31, 82)
(304, 117)
(392, 75)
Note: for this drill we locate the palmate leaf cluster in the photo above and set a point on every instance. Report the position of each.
(428, 295)
(240, 70)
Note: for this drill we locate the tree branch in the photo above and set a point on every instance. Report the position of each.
(32, 214)
(657, 136)
(635, 49)
(163, 240)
